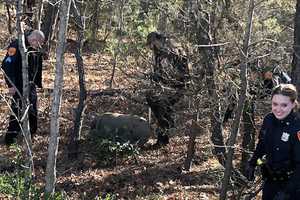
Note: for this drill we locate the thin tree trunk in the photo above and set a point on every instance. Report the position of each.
(248, 142)
(120, 11)
(204, 38)
(56, 102)
(162, 21)
(25, 99)
(76, 132)
(144, 9)
(243, 90)
(195, 130)
(8, 17)
(38, 15)
(48, 23)
(95, 24)
(296, 56)
(111, 82)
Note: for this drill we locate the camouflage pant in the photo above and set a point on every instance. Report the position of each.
(162, 106)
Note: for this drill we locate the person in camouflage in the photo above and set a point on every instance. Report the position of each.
(169, 78)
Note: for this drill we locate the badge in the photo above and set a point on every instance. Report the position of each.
(8, 59)
(285, 136)
(11, 51)
(298, 135)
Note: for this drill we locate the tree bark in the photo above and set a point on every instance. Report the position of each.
(48, 23)
(195, 130)
(95, 24)
(76, 132)
(38, 15)
(208, 60)
(248, 142)
(243, 91)
(296, 56)
(25, 98)
(56, 101)
(8, 17)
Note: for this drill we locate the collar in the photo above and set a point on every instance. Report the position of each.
(287, 120)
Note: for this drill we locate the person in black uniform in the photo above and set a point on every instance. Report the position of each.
(278, 148)
(12, 67)
(170, 76)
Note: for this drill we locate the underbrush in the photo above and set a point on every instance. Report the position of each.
(16, 182)
(107, 151)
(16, 185)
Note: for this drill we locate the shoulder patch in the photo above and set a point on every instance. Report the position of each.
(298, 135)
(11, 51)
(8, 59)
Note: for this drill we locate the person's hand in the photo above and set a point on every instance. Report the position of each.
(250, 172)
(281, 196)
(11, 90)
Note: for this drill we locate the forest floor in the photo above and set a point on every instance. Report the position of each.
(154, 174)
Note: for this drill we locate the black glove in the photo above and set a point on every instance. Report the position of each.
(281, 196)
(250, 172)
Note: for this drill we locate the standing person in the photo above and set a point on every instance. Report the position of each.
(169, 78)
(278, 148)
(12, 66)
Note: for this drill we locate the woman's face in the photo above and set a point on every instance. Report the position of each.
(282, 106)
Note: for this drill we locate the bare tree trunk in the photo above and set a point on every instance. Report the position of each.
(111, 82)
(243, 90)
(8, 17)
(248, 142)
(296, 56)
(144, 9)
(195, 130)
(162, 21)
(95, 24)
(38, 15)
(209, 63)
(57, 95)
(48, 23)
(120, 29)
(76, 132)
(25, 98)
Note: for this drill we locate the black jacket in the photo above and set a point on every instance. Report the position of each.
(12, 66)
(279, 141)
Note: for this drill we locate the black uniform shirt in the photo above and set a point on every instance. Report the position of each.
(279, 141)
(12, 66)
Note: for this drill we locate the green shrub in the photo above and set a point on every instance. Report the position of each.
(107, 150)
(13, 185)
(107, 197)
(17, 183)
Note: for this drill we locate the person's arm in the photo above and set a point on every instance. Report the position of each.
(8, 70)
(10, 65)
(259, 151)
